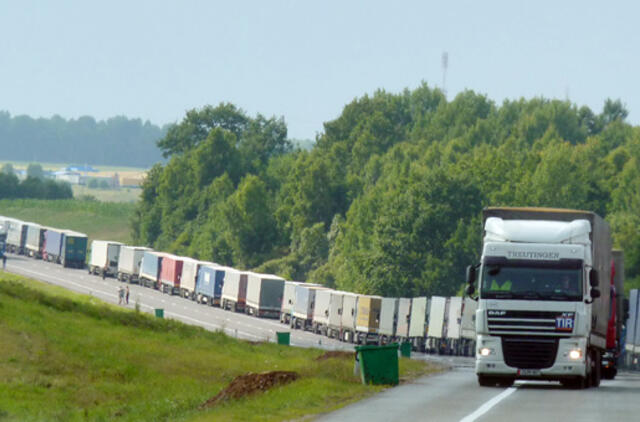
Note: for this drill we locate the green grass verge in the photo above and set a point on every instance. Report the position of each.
(71, 357)
(99, 220)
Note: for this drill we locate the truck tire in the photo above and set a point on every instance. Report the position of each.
(609, 373)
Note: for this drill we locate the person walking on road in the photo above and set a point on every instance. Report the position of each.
(127, 296)
(120, 295)
(4, 262)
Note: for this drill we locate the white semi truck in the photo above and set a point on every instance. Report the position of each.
(543, 296)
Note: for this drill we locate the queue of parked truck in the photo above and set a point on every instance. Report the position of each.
(545, 302)
(430, 324)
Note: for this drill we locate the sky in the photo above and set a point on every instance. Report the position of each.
(305, 60)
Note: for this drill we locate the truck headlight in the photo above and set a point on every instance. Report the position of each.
(485, 351)
(575, 354)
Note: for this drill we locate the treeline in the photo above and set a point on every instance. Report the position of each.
(32, 187)
(118, 141)
(389, 199)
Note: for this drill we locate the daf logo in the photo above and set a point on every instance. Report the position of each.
(497, 313)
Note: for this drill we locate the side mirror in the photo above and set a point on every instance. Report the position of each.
(593, 278)
(471, 274)
(595, 293)
(470, 290)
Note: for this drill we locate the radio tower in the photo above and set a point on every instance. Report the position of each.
(445, 65)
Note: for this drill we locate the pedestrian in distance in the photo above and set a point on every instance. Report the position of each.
(127, 296)
(104, 273)
(4, 262)
(120, 295)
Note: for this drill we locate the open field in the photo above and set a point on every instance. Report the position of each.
(71, 357)
(130, 195)
(99, 220)
(57, 166)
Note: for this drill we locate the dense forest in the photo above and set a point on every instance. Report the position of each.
(389, 199)
(118, 141)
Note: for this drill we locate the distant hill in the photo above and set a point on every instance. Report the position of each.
(118, 141)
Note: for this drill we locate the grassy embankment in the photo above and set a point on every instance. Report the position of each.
(70, 357)
(99, 220)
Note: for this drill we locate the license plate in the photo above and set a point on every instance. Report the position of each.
(529, 372)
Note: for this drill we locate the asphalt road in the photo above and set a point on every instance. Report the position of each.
(211, 318)
(450, 396)
(455, 396)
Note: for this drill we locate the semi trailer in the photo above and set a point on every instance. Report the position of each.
(104, 258)
(129, 262)
(388, 320)
(264, 295)
(234, 290)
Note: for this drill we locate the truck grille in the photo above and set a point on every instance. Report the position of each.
(529, 353)
(530, 323)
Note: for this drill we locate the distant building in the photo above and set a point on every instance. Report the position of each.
(81, 169)
(132, 181)
(73, 177)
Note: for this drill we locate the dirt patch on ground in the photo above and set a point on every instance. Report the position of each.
(251, 383)
(336, 354)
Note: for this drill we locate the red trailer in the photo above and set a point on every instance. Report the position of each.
(171, 273)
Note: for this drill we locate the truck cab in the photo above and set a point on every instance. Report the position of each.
(539, 315)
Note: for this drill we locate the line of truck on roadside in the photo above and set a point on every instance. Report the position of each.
(431, 324)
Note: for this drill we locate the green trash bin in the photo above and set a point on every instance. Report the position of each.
(283, 337)
(405, 349)
(378, 364)
(160, 312)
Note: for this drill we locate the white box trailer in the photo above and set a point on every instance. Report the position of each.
(304, 305)
(404, 318)
(453, 331)
(437, 323)
(104, 258)
(334, 329)
(234, 290)
(419, 323)
(34, 240)
(16, 235)
(288, 301)
(388, 319)
(468, 327)
(129, 262)
(264, 295)
(321, 311)
(349, 315)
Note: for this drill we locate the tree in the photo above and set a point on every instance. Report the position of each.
(7, 168)
(197, 124)
(35, 171)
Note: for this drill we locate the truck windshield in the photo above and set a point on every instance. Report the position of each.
(527, 280)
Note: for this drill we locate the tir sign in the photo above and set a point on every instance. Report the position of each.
(564, 323)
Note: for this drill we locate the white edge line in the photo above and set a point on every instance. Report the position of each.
(488, 405)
